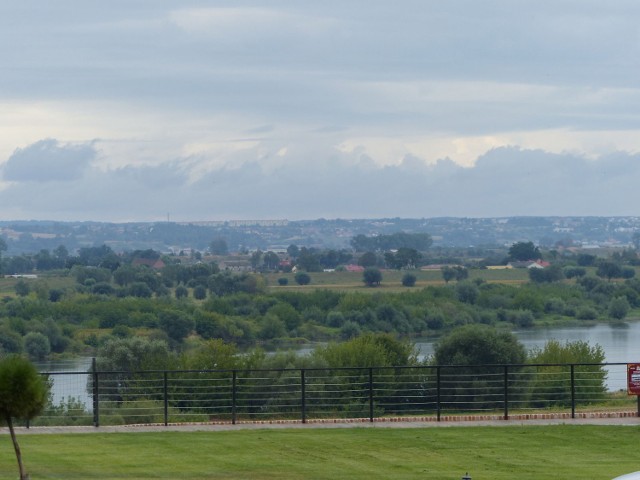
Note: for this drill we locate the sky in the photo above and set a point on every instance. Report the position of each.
(216, 110)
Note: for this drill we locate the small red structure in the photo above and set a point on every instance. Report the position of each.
(633, 378)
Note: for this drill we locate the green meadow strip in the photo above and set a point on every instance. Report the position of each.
(487, 453)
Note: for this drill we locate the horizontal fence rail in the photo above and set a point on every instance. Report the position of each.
(368, 393)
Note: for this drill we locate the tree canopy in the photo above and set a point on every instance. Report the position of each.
(394, 241)
(479, 345)
(521, 251)
(23, 395)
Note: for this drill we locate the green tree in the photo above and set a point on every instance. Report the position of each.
(302, 278)
(293, 251)
(199, 292)
(23, 395)
(181, 292)
(608, 269)
(479, 345)
(22, 288)
(461, 273)
(403, 258)
(474, 349)
(618, 308)
(37, 345)
(369, 350)
(124, 275)
(409, 280)
(308, 260)
(467, 292)
(448, 274)
(372, 276)
(256, 259)
(271, 260)
(3, 248)
(176, 324)
(590, 380)
(552, 273)
(218, 246)
(521, 251)
(10, 341)
(368, 259)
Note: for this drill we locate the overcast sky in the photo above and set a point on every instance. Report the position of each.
(212, 110)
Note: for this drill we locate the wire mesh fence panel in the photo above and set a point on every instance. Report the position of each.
(617, 378)
(405, 391)
(269, 394)
(339, 393)
(471, 389)
(204, 396)
(70, 402)
(130, 397)
(199, 396)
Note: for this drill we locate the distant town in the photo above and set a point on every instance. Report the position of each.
(276, 235)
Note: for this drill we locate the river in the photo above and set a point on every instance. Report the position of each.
(621, 344)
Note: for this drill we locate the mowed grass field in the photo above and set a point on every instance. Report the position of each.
(487, 453)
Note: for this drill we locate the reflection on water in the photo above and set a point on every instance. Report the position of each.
(620, 345)
(68, 385)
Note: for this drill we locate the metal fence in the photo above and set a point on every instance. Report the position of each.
(144, 397)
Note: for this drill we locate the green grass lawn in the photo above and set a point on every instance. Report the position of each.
(487, 453)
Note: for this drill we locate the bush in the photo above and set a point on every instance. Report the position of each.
(181, 292)
(37, 345)
(283, 281)
(350, 330)
(586, 313)
(409, 280)
(590, 381)
(372, 276)
(200, 292)
(303, 278)
(618, 308)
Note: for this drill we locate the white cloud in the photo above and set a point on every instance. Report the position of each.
(330, 183)
(300, 108)
(47, 161)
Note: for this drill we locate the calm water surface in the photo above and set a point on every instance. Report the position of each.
(620, 344)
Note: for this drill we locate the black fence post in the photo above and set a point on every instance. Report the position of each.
(506, 392)
(96, 394)
(165, 392)
(303, 399)
(438, 392)
(573, 392)
(370, 394)
(234, 382)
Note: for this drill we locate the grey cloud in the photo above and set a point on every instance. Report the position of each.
(47, 160)
(504, 182)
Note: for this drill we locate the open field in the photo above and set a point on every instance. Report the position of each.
(7, 285)
(391, 279)
(487, 453)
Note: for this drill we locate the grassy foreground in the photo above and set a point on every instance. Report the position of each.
(487, 453)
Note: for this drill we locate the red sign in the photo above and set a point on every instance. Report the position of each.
(633, 378)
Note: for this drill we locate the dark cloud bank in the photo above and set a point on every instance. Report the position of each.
(52, 181)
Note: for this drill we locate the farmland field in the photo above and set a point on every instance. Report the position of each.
(391, 279)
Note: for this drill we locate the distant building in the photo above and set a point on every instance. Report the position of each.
(529, 264)
(156, 264)
(354, 268)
